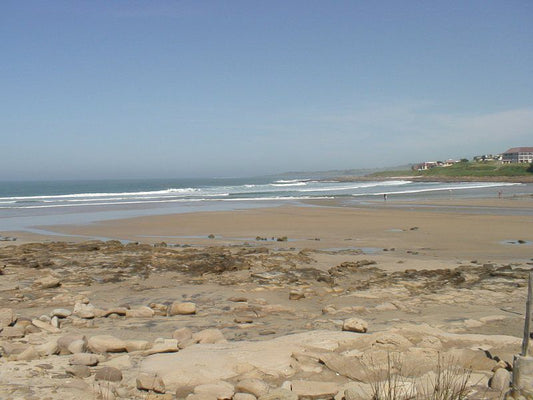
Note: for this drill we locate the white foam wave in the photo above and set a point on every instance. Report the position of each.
(439, 189)
(358, 185)
(288, 184)
(291, 180)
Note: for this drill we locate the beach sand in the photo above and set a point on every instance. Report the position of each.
(427, 279)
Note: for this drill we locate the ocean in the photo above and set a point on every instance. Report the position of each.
(25, 205)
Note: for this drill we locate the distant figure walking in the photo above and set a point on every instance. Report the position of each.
(385, 196)
(499, 194)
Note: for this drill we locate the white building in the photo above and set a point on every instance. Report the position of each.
(518, 155)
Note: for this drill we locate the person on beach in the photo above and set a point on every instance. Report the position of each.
(499, 194)
(385, 196)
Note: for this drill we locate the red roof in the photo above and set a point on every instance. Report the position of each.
(520, 150)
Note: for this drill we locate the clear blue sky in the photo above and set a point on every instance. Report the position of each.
(125, 88)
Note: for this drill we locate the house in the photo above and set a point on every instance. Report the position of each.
(518, 155)
(488, 157)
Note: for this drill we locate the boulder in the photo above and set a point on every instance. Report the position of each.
(85, 311)
(296, 294)
(279, 394)
(219, 390)
(141, 312)
(182, 334)
(12, 332)
(115, 310)
(501, 380)
(314, 389)
(137, 345)
(47, 282)
(7, 317)
(65, 341)
(87, 359)
(79, 371)
(163, 346)
(47, 349)
(212, 335)
(182, 308)
(45, 326)
(106, 344)
(29, 354)
(77, 346)
(355, 325)
(109, 374)
(257, 387)
(244, 396)
(61, 313)
(146, 381)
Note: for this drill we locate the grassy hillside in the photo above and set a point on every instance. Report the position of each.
(470, 169)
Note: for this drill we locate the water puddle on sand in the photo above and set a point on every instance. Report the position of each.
(518, 242)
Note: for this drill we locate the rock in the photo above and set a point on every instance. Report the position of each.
(65, 341)
(182, 334)
(60, 313)
(219, 390)
(314, 389)
(355, 325)
(47, 349)
(159, 309)
(244, 396)
(257, 387)
(238, 299)
(501, 380)
(7, 317)
(77, 346)
(141, 312)
(296, 294)
(48, 282)
(29, 354)
(182, 308)
(116, 310)
(163, 346)
(137, 345)
(55, 322)
(358, 391)
(106, 344)
(45, 326)
(109, 374)
(85, 311)
(84, 359)
(12, 332)
(209, 336)
(104, 391)
(153, 382)
(80, 371)
(279, 394)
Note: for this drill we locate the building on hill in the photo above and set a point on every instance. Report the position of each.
(518, 155)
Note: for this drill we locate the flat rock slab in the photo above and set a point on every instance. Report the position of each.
(314, 389)
(208, 363)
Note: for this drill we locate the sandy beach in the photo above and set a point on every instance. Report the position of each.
(280, 301)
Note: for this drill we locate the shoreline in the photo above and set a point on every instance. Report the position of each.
(417, 178)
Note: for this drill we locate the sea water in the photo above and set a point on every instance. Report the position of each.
(28, 204)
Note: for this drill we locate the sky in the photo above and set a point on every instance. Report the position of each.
(139, 89)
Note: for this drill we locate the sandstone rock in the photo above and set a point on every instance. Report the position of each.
(296, 294)
(182, 334)
(47, 349)
(219, 390)
(55, 322)
(104, 391)
(279, 394)
(137, 345)
(82, 310)
(182, 308)
(12, 332)
(163, 346)
(355, 325)
(159, 309)
(141, 312)
(80, 371)
(257, 387)
(106, 344)
(45, 326)
(209, 336)
(314, 389)
(244, 396)
(109, 374)
(84, 359)
(115, 310)
(65, 341)
(7, 317)
(60, 313)
(47, 282)
(77, 346)
(358, 391)
(501, 380)
(153, 382)
(29, 354)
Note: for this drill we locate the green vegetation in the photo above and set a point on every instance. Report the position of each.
(466, 168)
